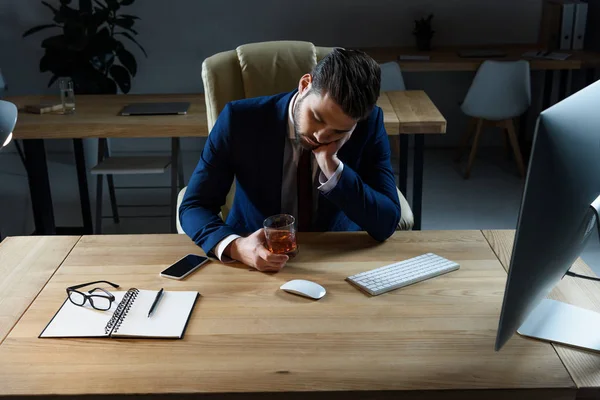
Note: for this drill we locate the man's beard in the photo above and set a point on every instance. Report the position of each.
(297, 134)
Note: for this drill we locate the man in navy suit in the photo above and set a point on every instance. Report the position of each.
(320, 153)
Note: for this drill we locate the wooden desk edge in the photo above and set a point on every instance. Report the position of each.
(457, 394)
(76, 239)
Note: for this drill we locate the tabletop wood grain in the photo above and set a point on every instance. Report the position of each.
(97, 116)
(247, 336)
(26, 264)
(416, 113)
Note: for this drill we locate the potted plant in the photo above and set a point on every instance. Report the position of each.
(423, 32)
(88, 49)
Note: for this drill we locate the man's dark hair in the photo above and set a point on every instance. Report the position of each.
(351, 78)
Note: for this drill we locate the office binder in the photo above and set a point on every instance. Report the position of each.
(566, 26)
(579, 25)
(557, 24)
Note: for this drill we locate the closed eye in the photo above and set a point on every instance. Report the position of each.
(317, 117)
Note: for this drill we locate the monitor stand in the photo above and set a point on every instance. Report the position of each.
(559, 322)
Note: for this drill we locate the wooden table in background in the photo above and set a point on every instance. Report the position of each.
(97, 116)
(446, 59)
(583, 365)
(434, 339)
(26, 264)
(418, 116)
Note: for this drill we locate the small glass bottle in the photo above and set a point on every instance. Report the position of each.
(67, 95)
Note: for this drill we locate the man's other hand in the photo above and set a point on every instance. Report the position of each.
(326, 156)
(252, 251)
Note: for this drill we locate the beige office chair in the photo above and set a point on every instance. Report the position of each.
(262, 69)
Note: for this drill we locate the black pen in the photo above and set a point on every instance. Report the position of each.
(156, 300)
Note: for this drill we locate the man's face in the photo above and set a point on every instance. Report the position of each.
(318, 120)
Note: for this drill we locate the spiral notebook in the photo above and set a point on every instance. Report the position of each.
(127, 318)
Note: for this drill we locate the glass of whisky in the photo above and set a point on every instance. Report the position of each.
(280, 231)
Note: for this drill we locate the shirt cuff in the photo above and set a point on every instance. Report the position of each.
(335, 178)
(221, 246)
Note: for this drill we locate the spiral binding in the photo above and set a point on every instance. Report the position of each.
(121, 311)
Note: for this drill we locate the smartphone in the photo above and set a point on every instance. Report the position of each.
(184, 267)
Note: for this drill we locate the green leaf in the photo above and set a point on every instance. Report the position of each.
(128, 36)
(65, 2)
(128, 16)
(54, 10)
(39, 28)
(127, 2)
(85, 6)
(125, 25)
(72, 15)
(113, 4)
(46, 63)
(100, 4)
(89, 80)
(128, 60)
(55, 42)
(62, 62)
(125, 22)
(52, 80)
(99, 18)
(121, 76)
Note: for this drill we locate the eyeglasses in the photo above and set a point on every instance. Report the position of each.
(101, 301)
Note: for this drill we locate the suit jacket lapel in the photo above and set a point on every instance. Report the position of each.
(272, 157)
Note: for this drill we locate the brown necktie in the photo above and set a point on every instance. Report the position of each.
(304, 176)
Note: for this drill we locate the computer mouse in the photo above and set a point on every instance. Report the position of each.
(304, 288)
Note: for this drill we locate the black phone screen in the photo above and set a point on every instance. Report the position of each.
(185, 265)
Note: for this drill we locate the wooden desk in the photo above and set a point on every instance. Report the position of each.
(431, 340)
(97, 116)
(446, 58)
(26, 264)
(584, 366)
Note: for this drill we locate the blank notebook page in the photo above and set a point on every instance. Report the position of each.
(80, 321)
(168, 320)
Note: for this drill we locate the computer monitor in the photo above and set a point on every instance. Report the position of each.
(559, 210)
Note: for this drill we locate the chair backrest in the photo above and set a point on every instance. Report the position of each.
(8, 119)
(391, 77)
(252, 70)
(3, 85)
(256, 69)
(500, 90)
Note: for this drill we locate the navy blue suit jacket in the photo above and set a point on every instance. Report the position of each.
(247, 142)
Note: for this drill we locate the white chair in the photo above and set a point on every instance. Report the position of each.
(109, 166)
(405, 224)
(499, 93)
(391, 81)
(391, 77)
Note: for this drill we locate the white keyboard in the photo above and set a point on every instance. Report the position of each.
(403, 273)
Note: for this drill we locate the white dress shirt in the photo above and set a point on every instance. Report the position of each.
(289, 188)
